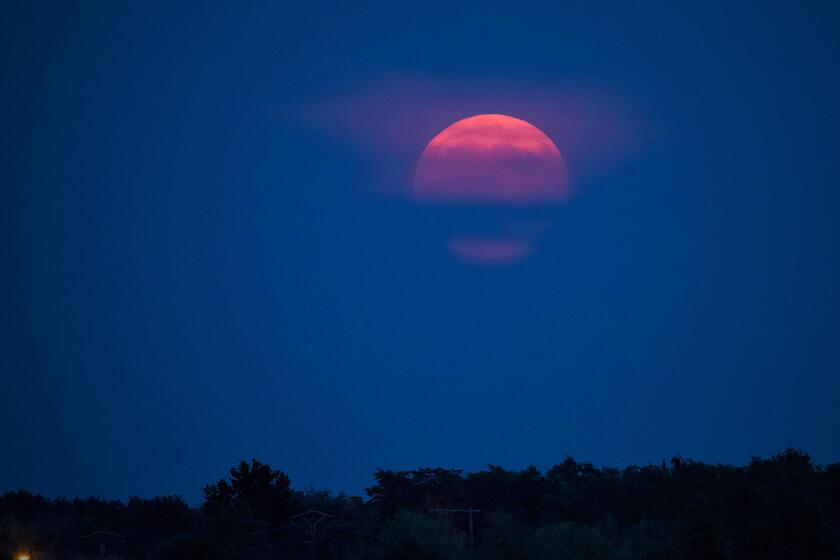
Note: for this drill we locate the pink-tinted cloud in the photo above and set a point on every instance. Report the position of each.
(395, 118)
(490, 251)
(581, 133)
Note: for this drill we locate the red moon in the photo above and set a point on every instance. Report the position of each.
(491, 159)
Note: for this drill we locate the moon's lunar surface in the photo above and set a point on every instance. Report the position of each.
(491, 159)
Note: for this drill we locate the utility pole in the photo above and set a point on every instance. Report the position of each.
(469, 511)
(310, 520)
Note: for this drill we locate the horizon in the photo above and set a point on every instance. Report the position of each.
(667, 463)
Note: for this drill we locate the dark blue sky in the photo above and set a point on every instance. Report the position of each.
(193, 275)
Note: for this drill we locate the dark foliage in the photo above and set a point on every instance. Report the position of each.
(780, 507)
(188, 548)
(254, 491)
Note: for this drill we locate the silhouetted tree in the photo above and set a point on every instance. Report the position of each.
(253, 490)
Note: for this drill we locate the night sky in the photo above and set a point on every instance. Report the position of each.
(209, 253)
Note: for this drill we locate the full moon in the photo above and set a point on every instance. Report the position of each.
(491, 159)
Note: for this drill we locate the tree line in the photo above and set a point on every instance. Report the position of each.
(783, 506)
